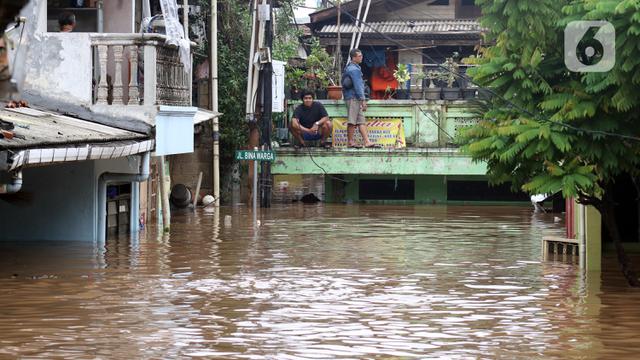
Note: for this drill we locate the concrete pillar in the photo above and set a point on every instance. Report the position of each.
(590, 233)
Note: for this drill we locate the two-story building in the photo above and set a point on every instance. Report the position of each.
(106, 101)
(420, 161)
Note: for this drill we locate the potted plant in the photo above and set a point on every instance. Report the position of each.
(450, 92)
(321, 83)
(295, 80)
(320, 64)
(416, 88)
(401, 74)
(433, 92)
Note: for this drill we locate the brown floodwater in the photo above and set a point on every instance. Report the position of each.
(317, 282)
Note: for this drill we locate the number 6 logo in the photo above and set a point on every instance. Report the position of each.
(589, 46)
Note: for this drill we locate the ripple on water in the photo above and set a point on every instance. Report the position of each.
(315, 282)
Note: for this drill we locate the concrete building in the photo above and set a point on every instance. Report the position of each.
(422, 163)
(105, 99)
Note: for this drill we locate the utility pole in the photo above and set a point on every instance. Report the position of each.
(213, 93)
(259, 92)
(267, 93)
(253, 83)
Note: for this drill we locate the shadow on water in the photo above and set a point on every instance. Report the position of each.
(317, 282)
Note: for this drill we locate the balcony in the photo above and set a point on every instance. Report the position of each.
(138, 69)
(431, 128)
(116, 79)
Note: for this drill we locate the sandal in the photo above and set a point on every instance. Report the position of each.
(326, 145)
(355, 146)
(374, 146)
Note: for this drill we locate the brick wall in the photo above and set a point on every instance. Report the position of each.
(186, 167)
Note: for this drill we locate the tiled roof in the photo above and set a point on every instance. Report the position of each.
(466, 27)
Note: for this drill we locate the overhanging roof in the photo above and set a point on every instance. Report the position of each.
(203, 115)
(79, 152)
(38, 128)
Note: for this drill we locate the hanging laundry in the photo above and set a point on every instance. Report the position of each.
(382, 77)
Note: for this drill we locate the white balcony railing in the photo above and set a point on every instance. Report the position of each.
(138, 69)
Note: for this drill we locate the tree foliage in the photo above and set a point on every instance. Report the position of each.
(550, 129)
(234, 37)
(549, 134)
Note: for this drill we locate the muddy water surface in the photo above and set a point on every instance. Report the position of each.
(317, 282)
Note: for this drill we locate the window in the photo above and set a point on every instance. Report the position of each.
(391, 189)
(481, 191)
(440, 2)
(468, 2)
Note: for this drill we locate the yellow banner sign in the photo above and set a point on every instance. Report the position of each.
(388, 133)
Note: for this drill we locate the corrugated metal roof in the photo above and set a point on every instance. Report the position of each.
(410, 27)
(108, 150)
(37, 128)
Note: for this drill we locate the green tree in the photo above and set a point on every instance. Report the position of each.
(234, 37)
(550, 129)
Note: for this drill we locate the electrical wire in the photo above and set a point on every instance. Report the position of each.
(491, 91)
(321, 168)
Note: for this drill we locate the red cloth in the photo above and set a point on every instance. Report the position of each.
(382, 77)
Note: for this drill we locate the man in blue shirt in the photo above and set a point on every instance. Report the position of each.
(355, 100)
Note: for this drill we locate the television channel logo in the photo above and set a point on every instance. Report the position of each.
(589, 46)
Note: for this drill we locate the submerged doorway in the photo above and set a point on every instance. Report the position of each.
(118, 209)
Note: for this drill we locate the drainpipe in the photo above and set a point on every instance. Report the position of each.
(14, 186)
(107, 177)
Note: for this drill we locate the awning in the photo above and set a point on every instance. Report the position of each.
(100, 151)
(39, 137)
(203, 115)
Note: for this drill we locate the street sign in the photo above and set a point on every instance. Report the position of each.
(256, 155)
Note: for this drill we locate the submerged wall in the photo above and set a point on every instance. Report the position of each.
(418, 189)
(58, 202)
(55, 203)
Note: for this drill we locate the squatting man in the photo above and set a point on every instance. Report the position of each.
(310, 122)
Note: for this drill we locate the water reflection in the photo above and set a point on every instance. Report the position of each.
(316, 282)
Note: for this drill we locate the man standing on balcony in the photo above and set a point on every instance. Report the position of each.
(310, 121)
(353, 92)
(67, 21)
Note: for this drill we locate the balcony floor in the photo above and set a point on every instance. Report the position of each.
(406, 161)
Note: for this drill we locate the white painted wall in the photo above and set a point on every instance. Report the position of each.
(59, 67)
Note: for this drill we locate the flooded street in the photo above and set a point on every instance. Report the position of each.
(317, 282)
